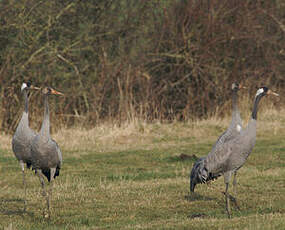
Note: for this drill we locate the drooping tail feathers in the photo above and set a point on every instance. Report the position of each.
(29, 163)
(46, 172)
(199, 174)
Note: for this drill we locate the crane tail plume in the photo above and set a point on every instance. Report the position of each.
(29, 163)
(196, 173)
(46, 172)
(57, 172)
(200, 175)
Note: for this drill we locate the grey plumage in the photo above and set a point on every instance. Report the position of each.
(236, 123)
(199, 173)
(21, 141)
(231, 156)
(46, 155)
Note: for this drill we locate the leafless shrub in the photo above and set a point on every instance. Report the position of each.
(124, 60)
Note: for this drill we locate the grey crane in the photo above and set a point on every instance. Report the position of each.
(46, 155)
(233, 130)
(231, 156)
(21, 141)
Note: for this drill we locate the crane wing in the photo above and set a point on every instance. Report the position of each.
(218, 160)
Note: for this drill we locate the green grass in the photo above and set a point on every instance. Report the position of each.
(146, 185)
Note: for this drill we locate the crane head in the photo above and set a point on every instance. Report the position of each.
(236, 86)
(49, 91)
(28, 85)
(262, 91)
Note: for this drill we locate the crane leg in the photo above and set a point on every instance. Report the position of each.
(41, 177)
(228, 208)
(235, 190)
(235, 183)
(52, 172)
(42, 181)
(24, 184)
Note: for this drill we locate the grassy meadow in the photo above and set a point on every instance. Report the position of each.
(135, 177)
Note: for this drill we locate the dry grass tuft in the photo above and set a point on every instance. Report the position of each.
(139, 134)
(6, 141)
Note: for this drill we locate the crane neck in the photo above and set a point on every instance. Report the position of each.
(45, 129)
(255, 106)
(235, 101)
(24, 122)
(26, 100)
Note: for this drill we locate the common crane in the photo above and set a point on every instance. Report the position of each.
(231, 156)
(46, 155)
(21, 141)
(233, 130)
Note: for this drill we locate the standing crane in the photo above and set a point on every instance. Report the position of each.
(46, 155)
(197, 174)
(21, 141)
(231, 156)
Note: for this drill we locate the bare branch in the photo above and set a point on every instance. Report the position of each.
(281, 25)
(69, 62)
(33, 56)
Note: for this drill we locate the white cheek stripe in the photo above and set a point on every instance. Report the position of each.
(24, 85)
(259, 91)
(238, 128)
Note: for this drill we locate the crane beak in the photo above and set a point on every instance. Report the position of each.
(53, 91)
(272, 93)
(34, 87)
(242, 86)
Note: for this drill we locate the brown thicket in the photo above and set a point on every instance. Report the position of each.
(121, 60)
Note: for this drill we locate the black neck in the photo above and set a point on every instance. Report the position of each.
(255, 106)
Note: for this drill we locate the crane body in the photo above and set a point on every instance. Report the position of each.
(198, 173)
(46, 154)
(227, 158)
(21, 141)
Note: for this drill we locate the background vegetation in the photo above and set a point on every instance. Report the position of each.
(153, 60)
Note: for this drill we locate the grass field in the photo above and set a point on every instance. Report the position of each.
(133, 177)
